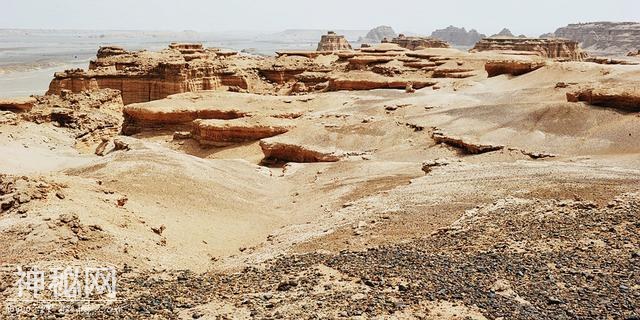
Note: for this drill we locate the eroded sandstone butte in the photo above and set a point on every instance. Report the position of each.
(333, 42)
(417, 43)
(144, 75)
(547, 48)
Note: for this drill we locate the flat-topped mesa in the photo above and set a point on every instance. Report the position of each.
(547, 48)
(144, 76)
(187, 48)
(333, 42)
(417, 43)
(110, 51)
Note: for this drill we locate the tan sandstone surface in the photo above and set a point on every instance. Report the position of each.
(383, 182)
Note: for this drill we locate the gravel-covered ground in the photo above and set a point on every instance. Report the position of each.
(514, 259)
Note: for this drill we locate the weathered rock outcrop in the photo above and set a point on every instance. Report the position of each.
(377, 34)
(371, 84)
(634, 53)
(178, 112)
(547, 48)
(110, 51)
(458, 36)
(465, 146)
(16, 191)
(333, 42)
(17, 104)
(606, 60)
(279, 151)
(89, 116)
(417, 43)
(514, 67)
(145, 76)
(619, 95)
(611, 37)
(227, 132)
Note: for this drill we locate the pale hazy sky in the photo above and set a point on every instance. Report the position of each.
(531, 17)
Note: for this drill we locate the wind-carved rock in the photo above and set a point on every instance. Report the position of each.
(333, 42)
(547, 48)
(280, 151)
(620, 95)
(465, 146)
(17, 104)
(514, 67)
(417, 43)
(228, 132)
(144, 76)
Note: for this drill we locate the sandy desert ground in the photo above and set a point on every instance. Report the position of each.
(482, 198)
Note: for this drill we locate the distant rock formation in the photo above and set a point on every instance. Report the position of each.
(611, 37)
(634, 53)
(548, 48)
(417, 43)
(503, 33)
(333, 42)
(377, 34)
(458, 36)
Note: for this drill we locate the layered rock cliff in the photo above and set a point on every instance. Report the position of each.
(417, 43)
(603, 37)
(333, 42)
(144, 76)
(458, 36)
(547, 48)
